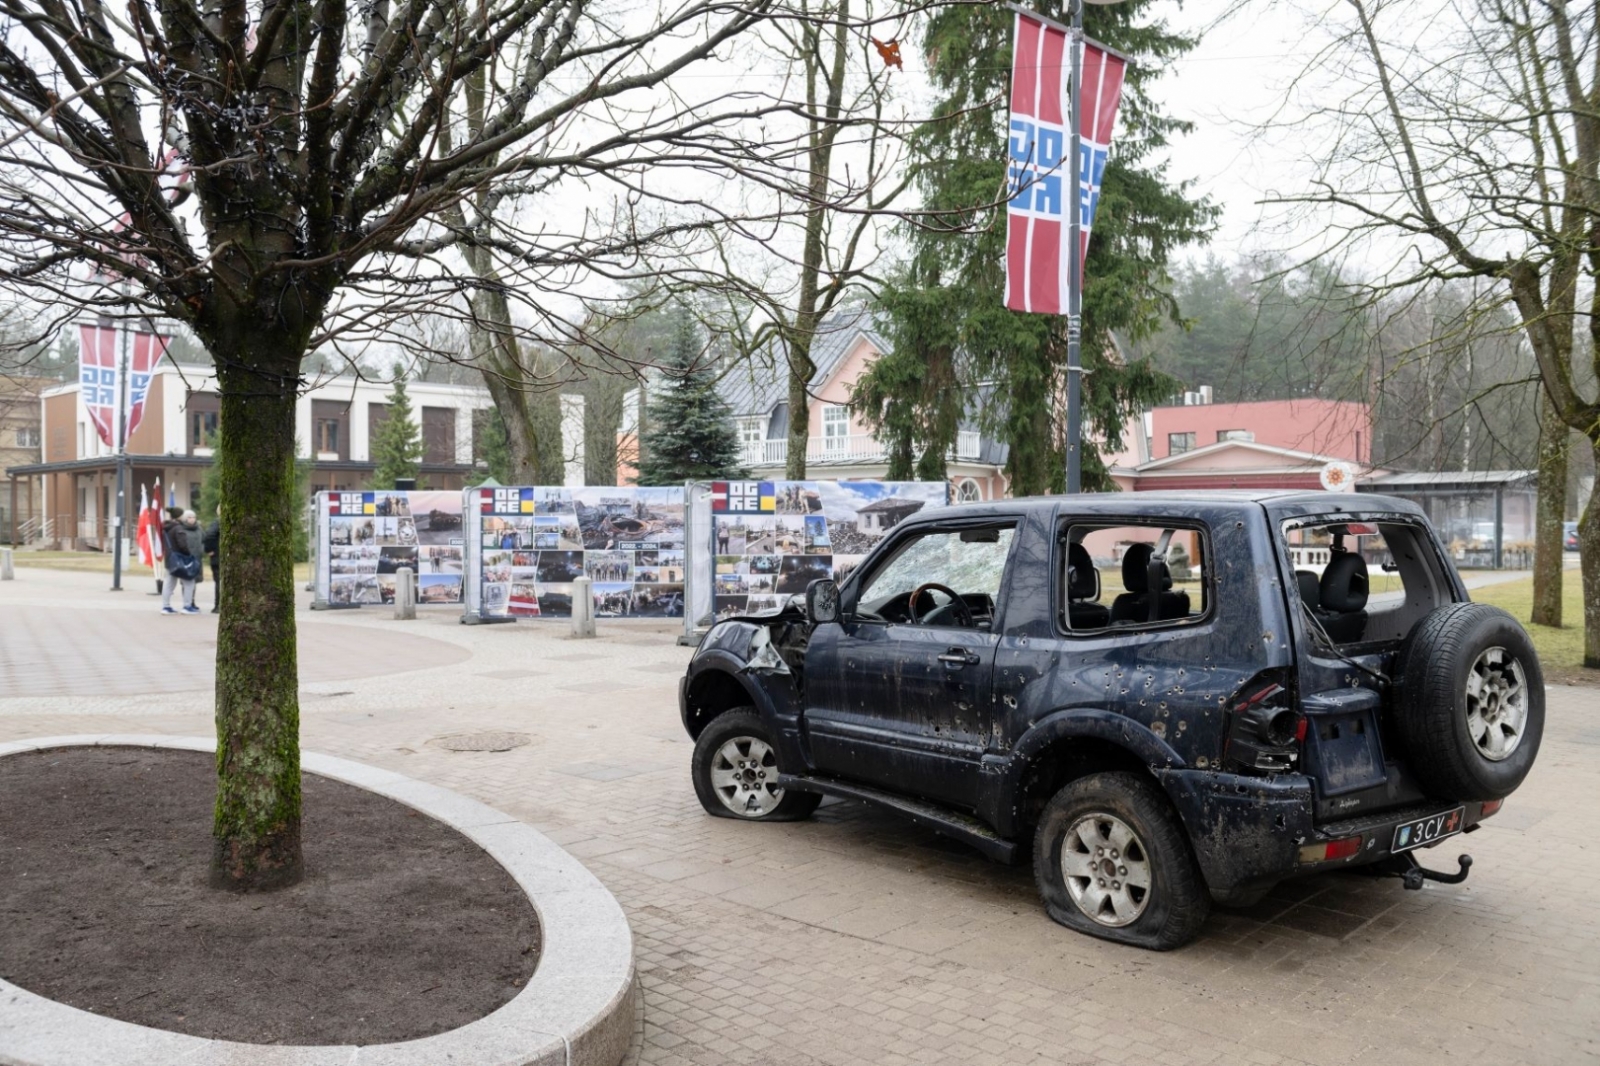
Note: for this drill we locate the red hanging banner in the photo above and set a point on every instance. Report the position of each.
(148, 348)
(97, 376)
(1038, 175)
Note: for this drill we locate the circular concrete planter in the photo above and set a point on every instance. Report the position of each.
(577, 1010)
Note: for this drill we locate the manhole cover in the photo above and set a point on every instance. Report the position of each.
(482, 741)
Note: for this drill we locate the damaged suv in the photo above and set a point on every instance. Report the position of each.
(1170, 699)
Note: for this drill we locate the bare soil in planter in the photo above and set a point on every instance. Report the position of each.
(402, 928)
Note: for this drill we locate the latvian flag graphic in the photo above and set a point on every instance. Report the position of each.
(1038, 176)
(743, 497)
(350, 503)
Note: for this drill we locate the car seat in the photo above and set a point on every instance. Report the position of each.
(1343, 596)
(1082, 588)
(1310, 584)
(1139, 571)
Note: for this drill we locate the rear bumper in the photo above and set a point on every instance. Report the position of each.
(1248, 832)
(1376, 833)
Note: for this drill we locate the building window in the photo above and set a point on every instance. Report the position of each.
(752, 430)
(1235, 434)
(28, 436)
(330, 439)
(835, 427)
(1178, 443)
(967, 491)
(202, 428)
(439, 436)
(204, 412)
(328, 435)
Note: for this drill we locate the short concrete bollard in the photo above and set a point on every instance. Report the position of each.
(405, 593)
(6, 571)
(582, 607)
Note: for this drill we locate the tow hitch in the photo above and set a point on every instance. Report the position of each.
(1412, 873)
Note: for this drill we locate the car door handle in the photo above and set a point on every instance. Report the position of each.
(957, 657)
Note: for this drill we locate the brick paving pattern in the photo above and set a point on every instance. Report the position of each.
(856, 938)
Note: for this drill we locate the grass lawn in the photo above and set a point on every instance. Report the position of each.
(100, 563)
(1560, 650)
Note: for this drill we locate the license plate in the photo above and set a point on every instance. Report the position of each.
(1425, 831)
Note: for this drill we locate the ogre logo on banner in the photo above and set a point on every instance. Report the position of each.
(743, 497)
(348, 503)
(507, 501)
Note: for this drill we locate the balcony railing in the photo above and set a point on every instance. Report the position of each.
(857, 448)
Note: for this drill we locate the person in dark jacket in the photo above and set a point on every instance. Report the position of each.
(183, 537)
(213, 541)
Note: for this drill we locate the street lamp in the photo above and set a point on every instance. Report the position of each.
(1075, 257)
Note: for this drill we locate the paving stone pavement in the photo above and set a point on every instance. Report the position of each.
(855, 938)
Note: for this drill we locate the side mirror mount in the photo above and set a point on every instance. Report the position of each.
(822, 601)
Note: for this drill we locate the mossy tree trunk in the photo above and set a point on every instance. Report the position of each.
(257, 819)
(1589, 559)
(1548, 538)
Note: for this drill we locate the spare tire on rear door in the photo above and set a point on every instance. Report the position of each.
(1470, 706)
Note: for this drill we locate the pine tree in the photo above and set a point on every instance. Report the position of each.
(947, 324)
(491, 446)
(689, 433)
(397, 443)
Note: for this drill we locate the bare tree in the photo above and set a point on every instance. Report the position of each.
(845, 78)
(1470, 147)
(286, 175)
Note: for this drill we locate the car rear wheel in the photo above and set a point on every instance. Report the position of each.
(1470, 702)
(1111, 860)
(735, 771)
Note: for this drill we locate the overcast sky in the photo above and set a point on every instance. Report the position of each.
(1235, 80)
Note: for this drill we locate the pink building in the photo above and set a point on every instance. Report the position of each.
(1339, 429)
(1265, 444)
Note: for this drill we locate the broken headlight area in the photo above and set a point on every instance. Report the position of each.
(1265, 731)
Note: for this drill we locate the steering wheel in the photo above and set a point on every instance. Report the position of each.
(963, 612)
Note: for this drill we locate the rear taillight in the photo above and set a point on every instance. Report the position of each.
(1490, 807)
(1264, 732)
(1332, 850)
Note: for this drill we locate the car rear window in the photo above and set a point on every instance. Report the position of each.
(1140, 574)
(1363, 582)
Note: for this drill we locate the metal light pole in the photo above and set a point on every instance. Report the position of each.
(122, 461)
(1075, 260)
(1075, 263)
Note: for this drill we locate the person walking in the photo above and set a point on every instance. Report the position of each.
(185, 546)
(212, 542)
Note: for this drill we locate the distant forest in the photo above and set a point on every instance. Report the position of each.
(1450, 379)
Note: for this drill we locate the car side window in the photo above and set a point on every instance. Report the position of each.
(967, 562)
(1131, 574)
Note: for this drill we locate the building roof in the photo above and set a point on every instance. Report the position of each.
(1287, 456)
(760, 383)
(1443, 479)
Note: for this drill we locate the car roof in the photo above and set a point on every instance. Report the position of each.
(1277, 502)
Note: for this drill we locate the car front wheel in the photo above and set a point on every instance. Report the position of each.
(735, 771)
(1111, 860)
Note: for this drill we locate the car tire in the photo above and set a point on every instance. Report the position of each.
(1110, 826)
(735, 770)
(1470, 702)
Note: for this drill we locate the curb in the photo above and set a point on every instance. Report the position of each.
(578, 1009)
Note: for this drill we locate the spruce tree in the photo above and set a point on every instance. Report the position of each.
(689, 433)
(947, 322)
(397, 443)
